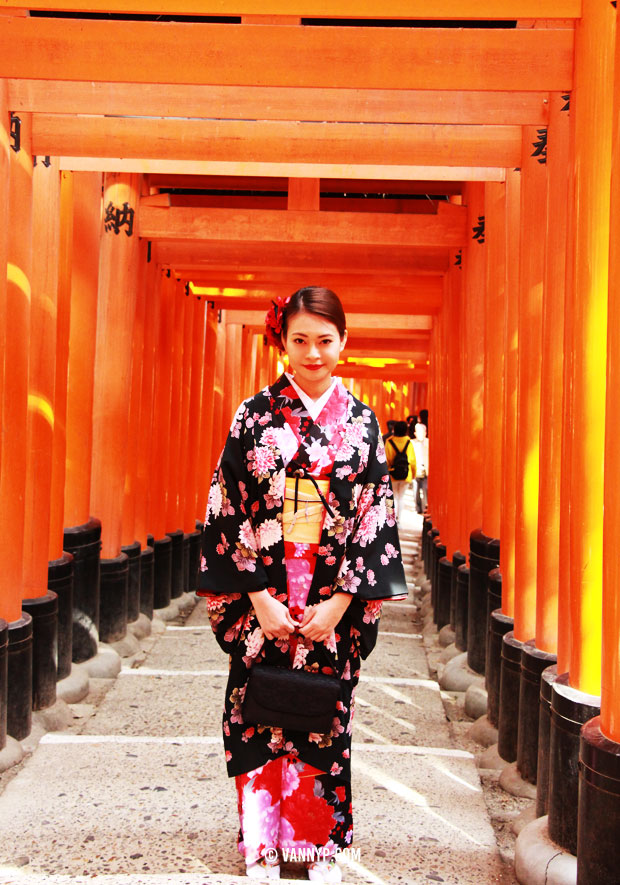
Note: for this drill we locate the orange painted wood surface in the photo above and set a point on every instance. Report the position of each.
(41, 375)
(610, 676)
(474, 268)
(495, 300)
(551, 382)
(145, 471)
(160, 439)
(63, 318)
(191, 511)
(186, 440)
(457, 486)
(337, 185)
(116, 308)
(593, 108)
(484, 9)
(531, 294)
(207, 456)
(131, 501)
(82, 338)
(5, 152)
(15, 393)
(352, 171)
(444, 230)
(511, 373)
(272, 103)
(428, 301)
(382, 284)
(281, 55)
(271, 141)
(173, 484)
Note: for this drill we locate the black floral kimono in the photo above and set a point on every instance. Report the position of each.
(273, 440)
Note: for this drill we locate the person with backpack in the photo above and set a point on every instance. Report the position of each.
(400, 456)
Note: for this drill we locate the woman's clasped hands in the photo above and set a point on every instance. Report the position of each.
(317, 624)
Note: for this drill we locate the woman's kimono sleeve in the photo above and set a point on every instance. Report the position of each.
(372, 566)
(230, 562)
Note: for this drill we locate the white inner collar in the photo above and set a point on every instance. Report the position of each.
(313, 406)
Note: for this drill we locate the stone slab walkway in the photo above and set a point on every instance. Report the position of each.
(136, 792)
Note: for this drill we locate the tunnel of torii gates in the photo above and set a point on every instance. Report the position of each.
(459, 187)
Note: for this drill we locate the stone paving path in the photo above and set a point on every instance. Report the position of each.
(136, 792)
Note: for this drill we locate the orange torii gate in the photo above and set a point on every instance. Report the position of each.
(506, 277)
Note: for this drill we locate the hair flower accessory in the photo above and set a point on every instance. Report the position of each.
(274, 320)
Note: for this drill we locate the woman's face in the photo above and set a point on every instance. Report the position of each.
(313, 345)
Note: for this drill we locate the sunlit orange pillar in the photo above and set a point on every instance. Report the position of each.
(39, 602)
(483, 553)
(539, 653)
(575, 696)
(532, 270)
(61, 576)
(164, 303)
(502, 623)
(82, 339)
(13, 444)
(42, 373)
(116, 308)
(495, 306)
(5, 167)
(531, 279)
(185, 440)
(598, 854)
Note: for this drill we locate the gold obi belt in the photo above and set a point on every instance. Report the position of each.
(304, 506)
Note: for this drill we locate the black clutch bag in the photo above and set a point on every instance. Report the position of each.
(292, 699)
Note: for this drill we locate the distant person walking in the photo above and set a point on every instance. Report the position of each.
(420, 444)
(400, 456)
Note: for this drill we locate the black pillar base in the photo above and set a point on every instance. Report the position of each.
(147, 585)
(60, 580)
(176, 563)
(598, 846)
(162, 552)
(4, 679)
(483, 557)
(113, 615)
(461, 607)
(84, 543)
(132, 552)
(44, 613)
(510, 681)
(19, 678)
(195, 544)
(494, 602)
(444, 588)
(533, 662)
(438, 552)
(570, 709)
(499, 625)
(427, 525)
(547, 679)
(149, 540)
(458, 559)
(428, 562)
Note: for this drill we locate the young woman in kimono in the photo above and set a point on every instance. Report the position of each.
(300, 546)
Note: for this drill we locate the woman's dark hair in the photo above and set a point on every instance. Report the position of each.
(319, 301)
(400, 428)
